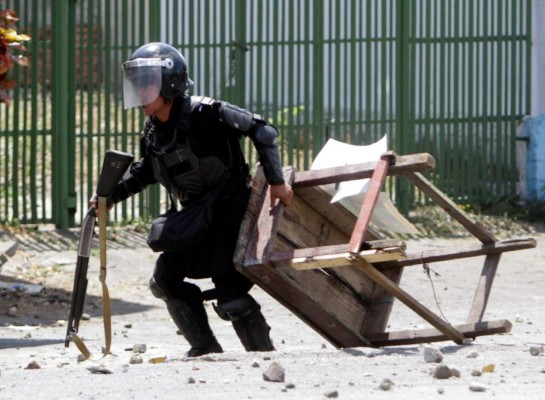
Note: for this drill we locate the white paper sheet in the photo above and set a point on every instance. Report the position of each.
(350, 194)
(337, 154)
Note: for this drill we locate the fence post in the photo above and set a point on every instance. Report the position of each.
(238, 51)
(403, 93)
(319, 133)
(62, 96)
(154, 21)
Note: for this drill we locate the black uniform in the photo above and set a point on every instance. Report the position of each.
(194, 151)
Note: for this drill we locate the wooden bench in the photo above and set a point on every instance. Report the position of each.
(330, 269)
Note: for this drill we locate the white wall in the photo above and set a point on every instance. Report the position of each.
(538, 57)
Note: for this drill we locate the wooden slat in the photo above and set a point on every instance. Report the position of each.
(338, 249)
(430, 256)
(383, 244)
(410, 337)
(303, 292)
(315, 220)
(305, 299)
(340, 260)
(449, 206)
(320, 200)
(247, 233)
(260, 235)
(379, 302)
(303, 226)
(408, 300)
(414, 162)
(369, 202)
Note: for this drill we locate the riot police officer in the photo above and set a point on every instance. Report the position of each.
(188, 144)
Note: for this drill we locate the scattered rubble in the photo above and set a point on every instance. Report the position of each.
(33, 365)
(386, 384)
(489, 368)
(139, 348)
(290, 385)
(101, 369)
(432, 355)
(13, 311)
(275, 373)
(136, 360)
(442, 372)
(477, 387)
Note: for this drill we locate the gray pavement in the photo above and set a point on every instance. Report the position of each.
(313, 368)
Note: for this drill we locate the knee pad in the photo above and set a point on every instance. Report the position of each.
(157, 287)
(236, 309)
(157, 290)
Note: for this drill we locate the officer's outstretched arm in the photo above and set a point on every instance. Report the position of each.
(265, 139)
(263, 135)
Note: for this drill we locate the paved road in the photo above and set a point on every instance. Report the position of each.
(313, 368)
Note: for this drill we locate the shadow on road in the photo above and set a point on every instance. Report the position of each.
(41, 239)
(51, 306)
(20, 342)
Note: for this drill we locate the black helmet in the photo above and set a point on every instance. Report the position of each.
(158, 65)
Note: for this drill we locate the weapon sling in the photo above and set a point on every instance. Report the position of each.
(115, 164)
(106, 313)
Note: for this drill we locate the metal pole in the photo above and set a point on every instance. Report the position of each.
(319, 79)
(403, 71)
(64, 199)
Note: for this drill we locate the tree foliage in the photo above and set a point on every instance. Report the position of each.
(12, 51)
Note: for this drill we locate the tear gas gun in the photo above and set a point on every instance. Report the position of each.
(115, 164)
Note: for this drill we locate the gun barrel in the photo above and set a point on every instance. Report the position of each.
(78, 297)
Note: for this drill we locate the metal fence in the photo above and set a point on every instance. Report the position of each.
(448, 77)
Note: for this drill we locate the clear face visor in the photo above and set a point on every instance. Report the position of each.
(142, 80)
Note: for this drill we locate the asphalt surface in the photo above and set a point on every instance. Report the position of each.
(35, 364)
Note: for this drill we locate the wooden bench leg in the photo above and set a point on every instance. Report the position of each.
(448, 330)
(450, 207)
(482, 293)
(369, 202)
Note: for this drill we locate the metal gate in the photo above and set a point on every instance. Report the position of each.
(448, 77)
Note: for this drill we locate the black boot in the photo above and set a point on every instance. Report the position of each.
(248, 321)
(193, 325)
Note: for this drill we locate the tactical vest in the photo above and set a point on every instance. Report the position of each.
(177, 167)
